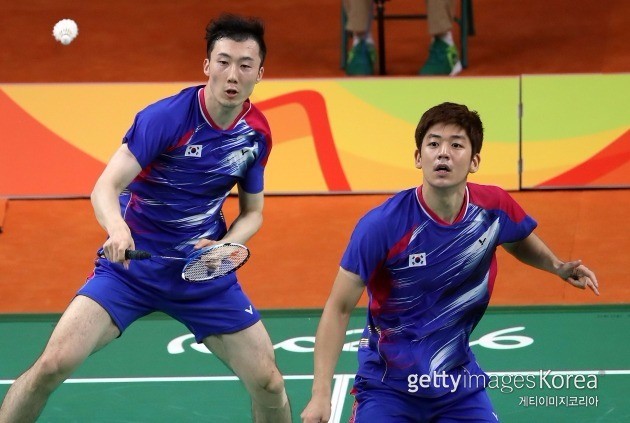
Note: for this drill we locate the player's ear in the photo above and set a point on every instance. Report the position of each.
(260, 74)
(206, 67)
(474, 163)
(418, 159)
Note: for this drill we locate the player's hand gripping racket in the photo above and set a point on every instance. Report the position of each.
(206, 263)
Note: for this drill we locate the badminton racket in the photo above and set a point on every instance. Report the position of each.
(204, 264)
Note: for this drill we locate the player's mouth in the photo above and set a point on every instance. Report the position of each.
(231, 92)
(442, 169)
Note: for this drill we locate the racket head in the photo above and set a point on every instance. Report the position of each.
(215, 261)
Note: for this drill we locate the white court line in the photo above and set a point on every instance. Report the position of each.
(339, 394)
(340, 378)
(161, 379)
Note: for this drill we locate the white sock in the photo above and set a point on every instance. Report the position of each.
(367, 38)
(447, 38)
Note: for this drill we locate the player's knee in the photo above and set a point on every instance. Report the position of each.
(54, 367)
(269, 389)
(274, 383)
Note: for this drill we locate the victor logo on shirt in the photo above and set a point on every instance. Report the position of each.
(193, 151)
(417, 260)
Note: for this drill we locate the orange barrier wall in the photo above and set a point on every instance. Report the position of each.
(48, 246)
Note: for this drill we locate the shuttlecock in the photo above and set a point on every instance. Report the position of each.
(65, 31)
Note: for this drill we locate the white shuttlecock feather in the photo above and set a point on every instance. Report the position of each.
(65, 31)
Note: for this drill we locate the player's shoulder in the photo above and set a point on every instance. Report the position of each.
(393, 208)
(257, 120)
(488, 196)
(172, 107)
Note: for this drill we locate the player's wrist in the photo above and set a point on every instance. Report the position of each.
(557, 266)
(323, 391)
(116, 224)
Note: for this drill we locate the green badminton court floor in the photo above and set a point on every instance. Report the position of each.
(546, 364)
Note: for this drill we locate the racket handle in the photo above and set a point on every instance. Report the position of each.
(137, 255)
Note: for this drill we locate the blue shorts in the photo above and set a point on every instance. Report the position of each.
(377, 402)
(212, 308)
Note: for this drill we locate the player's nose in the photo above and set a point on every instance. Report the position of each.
(232, 74)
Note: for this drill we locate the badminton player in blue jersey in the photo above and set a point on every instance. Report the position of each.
(162, 191)
(427, 259)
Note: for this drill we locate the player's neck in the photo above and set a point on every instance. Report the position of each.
(446, 203)
(220, 115)
(224, 117)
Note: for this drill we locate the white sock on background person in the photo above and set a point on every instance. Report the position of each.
(447, 38)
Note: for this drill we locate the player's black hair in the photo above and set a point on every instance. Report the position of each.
(452, 114)
(237, 28)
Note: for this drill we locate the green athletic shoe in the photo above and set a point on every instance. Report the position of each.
(443, 60)
(361, 59)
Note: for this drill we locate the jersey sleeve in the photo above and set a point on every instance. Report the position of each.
(517, 224)
(150, 134)
(367, 249)
(254, 180)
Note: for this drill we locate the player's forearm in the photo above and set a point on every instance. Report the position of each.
(331, 335)
(244, 227)
(107, 208)
(118, 173)
(533, 251)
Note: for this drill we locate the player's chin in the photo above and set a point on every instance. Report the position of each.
(446, 183)
(233, 101)
(442, 180)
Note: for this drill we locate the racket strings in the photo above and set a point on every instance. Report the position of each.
(215, 263)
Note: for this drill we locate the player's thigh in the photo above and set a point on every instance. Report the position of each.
(249, 352)
(372, 411)
(82, 329)
(475, 407)
(375, 402)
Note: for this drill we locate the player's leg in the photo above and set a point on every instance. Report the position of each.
(83, 328)
(249, 353)
(229, 325)
(475, 407)
(376, 402)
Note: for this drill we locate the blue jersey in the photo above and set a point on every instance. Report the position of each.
(428, 282)
(189, 165)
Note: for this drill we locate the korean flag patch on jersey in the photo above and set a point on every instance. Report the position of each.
(417, 260)
(193, 151)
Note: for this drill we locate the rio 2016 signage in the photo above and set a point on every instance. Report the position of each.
(504, 339)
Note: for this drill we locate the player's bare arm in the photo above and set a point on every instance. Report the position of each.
(329, 339)
(248, 221)
(118, 174)
(533, 251)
